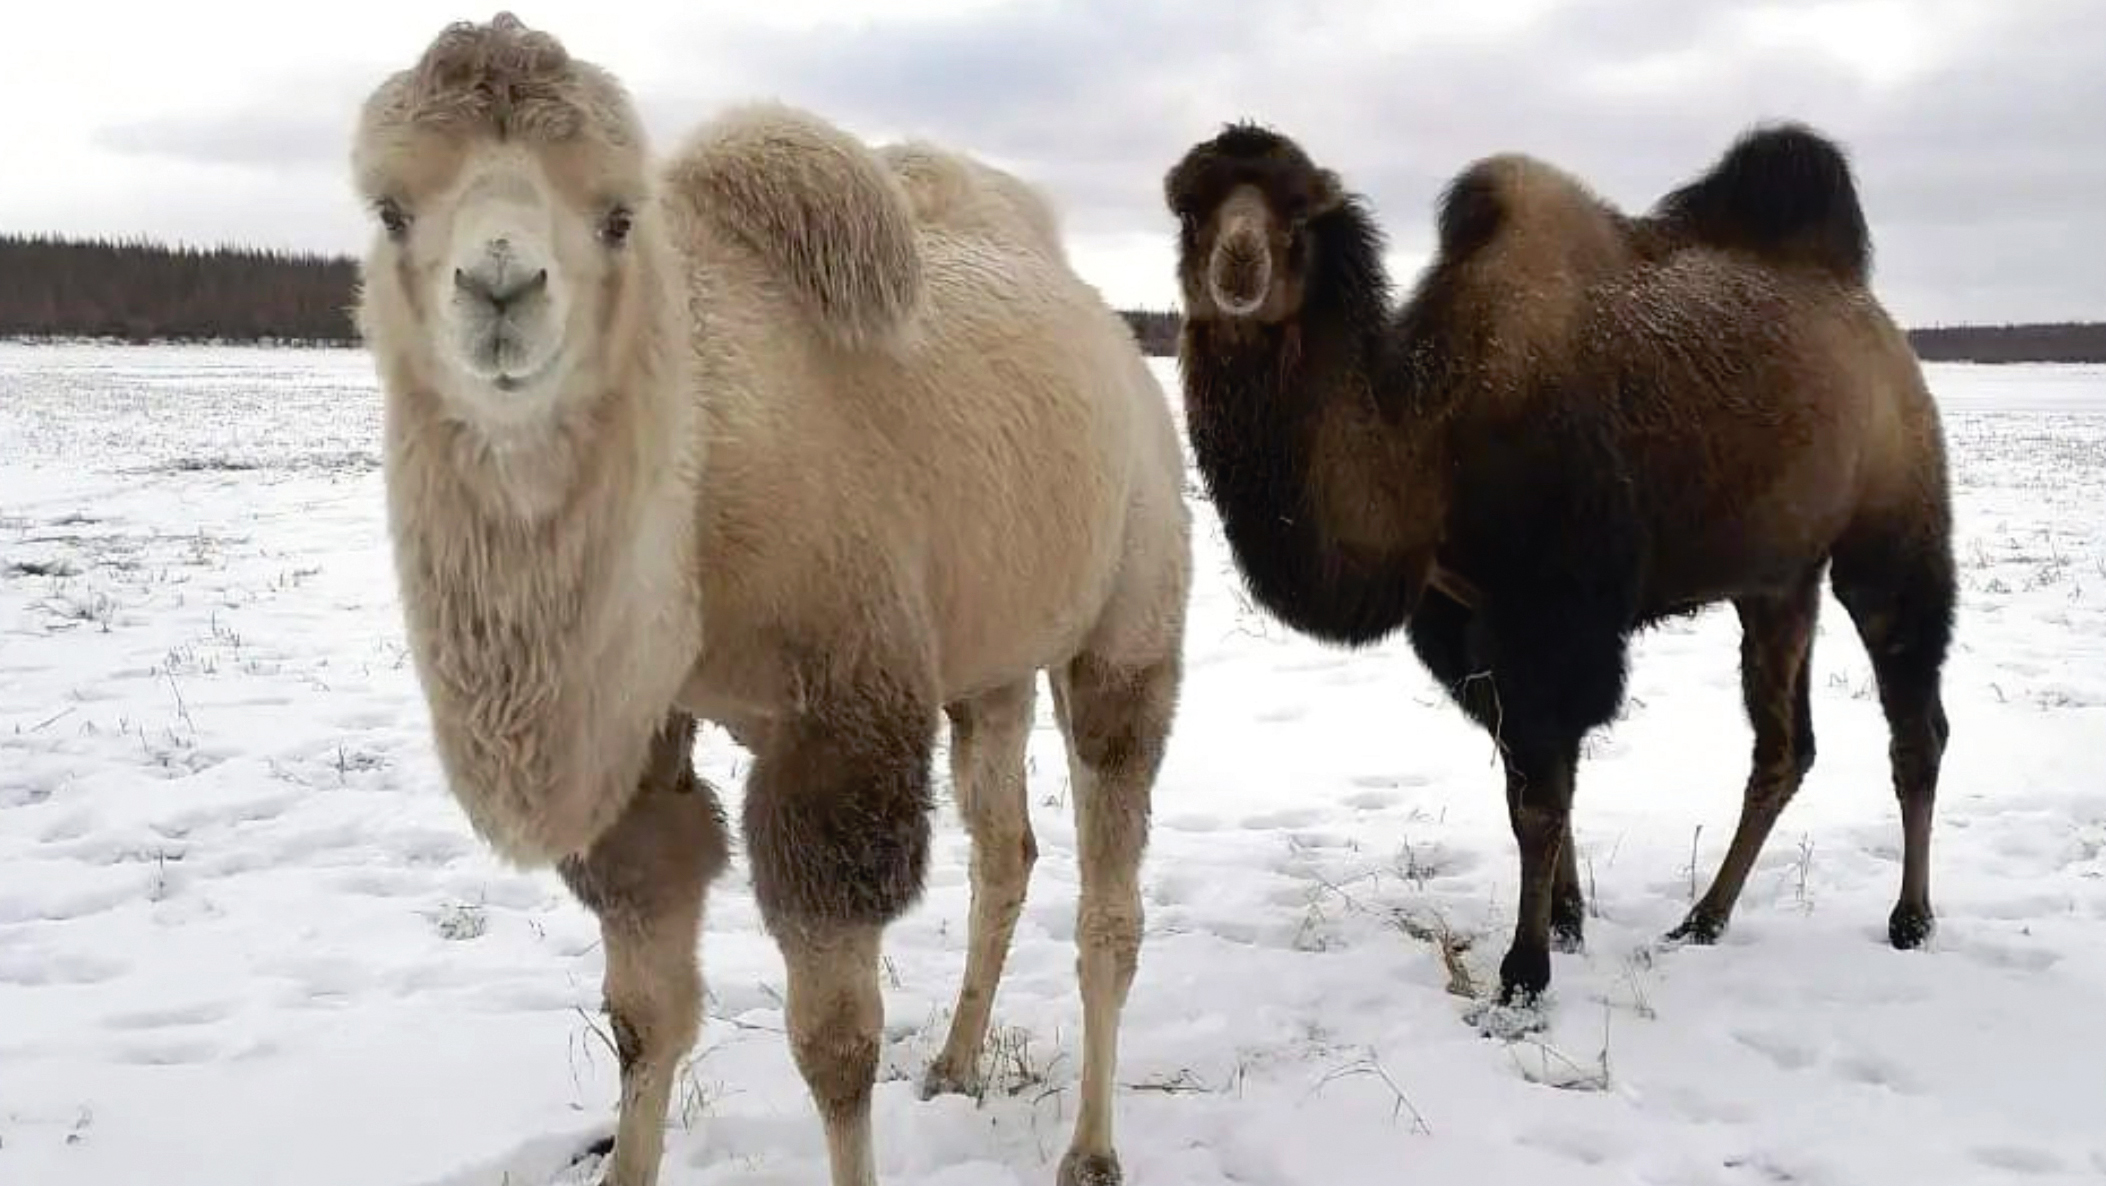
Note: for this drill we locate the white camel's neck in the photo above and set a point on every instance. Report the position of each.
(544, 578)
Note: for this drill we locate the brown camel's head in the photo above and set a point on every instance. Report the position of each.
(1244, 201)
(507, 183)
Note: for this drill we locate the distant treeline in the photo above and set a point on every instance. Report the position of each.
(137, 290)
(2063, 341)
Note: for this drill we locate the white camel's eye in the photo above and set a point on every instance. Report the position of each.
(393, 218)
(614, 229)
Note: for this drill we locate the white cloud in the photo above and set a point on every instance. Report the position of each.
(1973, 122)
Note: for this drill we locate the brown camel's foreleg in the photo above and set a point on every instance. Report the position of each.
(645, 879)
(1539, 803)
(1568, 905)
(1117, 718)
(1776, 646)
(1900, 594)
(837, 827)
(989, 736)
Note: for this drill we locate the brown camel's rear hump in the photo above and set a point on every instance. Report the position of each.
(1783, 192)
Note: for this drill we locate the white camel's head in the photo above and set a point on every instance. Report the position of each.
(508, 185)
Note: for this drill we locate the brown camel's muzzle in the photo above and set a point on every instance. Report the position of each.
(1239, 271)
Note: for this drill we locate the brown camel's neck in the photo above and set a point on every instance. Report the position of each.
(1316, 448)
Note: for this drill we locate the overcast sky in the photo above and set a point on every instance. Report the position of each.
(1978, 127)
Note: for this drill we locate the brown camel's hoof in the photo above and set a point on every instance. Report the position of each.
(1568, 936)
(1090, 1169)
(1523, 975)
(601, 1151)
(941, 1080)
(1700, 928)
(1909, 926)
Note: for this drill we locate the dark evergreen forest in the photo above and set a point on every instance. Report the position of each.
(136, 290)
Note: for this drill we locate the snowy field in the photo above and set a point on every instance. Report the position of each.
(247, 939)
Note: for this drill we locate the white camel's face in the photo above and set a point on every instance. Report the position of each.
(511, 264)
(501, 293)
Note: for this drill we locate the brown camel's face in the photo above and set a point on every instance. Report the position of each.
(1244, 201)
(502, 227)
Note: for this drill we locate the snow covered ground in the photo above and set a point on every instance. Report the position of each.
(247, 939)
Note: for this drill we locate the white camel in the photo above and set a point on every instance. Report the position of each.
(817, 441)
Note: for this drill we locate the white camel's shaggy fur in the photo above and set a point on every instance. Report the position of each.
(817, 441)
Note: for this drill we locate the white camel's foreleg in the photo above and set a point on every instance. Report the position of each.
(645, 879)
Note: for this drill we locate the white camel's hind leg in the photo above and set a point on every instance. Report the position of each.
(1117, 718)
(989, 736)
(645, 879)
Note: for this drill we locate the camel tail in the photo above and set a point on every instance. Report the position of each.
(823, 212)
(1783, 192)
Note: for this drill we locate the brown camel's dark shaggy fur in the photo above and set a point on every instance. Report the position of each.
(1580, 422)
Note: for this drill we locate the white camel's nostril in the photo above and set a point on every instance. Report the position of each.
(499, 285)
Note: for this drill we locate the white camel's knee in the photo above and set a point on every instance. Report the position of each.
(1108, 934)
(1003, 859)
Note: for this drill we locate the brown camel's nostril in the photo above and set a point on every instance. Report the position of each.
(1240, 272)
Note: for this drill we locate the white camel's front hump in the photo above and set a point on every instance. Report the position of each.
(988, 461)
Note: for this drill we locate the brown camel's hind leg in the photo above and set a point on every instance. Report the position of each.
(989, 735)
(1900, 593)
(1776, 645)
(645, 879)
(1117, 718)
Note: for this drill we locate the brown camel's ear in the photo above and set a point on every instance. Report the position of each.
(1327, 195)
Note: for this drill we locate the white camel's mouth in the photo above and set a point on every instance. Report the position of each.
(509, 351)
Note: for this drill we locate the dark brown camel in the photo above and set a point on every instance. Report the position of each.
(1580, 423)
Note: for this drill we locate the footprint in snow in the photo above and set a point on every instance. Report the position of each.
(384, 883)
(1292, 817)
(1583, 1146)
(30, 970)
(1784, 1051)
(167, 1052)
(2020, 956)
(2019, 1160)
(1874, 1070)
(198, 1013)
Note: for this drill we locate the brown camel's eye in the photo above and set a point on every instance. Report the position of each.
(393, 218)
(614, 229)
